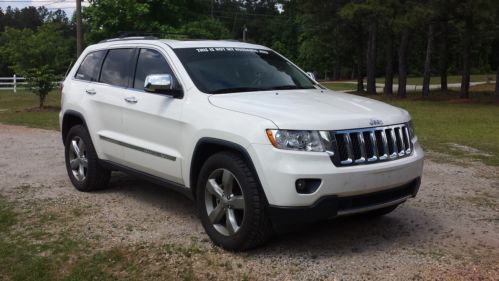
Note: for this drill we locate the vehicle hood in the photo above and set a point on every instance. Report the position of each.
(311, 109)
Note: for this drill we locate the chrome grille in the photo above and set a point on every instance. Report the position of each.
(371, 145)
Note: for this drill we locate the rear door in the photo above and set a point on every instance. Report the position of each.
(151, 122)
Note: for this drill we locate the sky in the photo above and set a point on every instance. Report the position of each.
(67, 5)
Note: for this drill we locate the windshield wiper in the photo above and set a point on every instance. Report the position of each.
(288, 87)
(236, 89)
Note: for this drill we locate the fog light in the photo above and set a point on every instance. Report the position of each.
(307, 186)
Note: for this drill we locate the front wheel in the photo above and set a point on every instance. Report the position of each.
(230, 204)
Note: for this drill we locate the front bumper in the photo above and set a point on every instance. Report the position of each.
(334, 206)
(278, 171)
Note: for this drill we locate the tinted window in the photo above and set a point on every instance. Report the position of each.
(149, 62)
(227, 70)
(89, 68)
(115, 70)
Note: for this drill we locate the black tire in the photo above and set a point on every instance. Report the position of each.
(255, 228)
(379, 212)
(96, 177)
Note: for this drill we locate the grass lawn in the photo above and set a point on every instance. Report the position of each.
(440, 121)
(338, 86)
(21, 108)
(443, 121)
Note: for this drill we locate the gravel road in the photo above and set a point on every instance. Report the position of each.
(449, 232)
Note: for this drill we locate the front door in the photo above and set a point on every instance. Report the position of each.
(152, 122)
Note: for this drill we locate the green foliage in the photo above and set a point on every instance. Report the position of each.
(43, 57)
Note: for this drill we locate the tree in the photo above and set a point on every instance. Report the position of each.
(476, 16)
(427, 65)
(42, 59)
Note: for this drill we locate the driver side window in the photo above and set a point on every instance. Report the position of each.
(150, 62)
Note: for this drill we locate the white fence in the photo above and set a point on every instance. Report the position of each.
(11, 83)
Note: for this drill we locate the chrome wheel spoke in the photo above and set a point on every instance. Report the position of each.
(230, 222)
(216, 214)
(81, 148)
(75, 148)
(214, 189)
(237, 202)
(227, 181)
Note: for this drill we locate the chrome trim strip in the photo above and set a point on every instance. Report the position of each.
(402, 144)
(362, 144)
(385, 146)
(394, 143)
(373, 207)
(408, 139)
(348, 143)
(374, 146)
(138, 148)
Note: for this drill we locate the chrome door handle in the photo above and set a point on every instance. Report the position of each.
(90, 92)
(131, 100)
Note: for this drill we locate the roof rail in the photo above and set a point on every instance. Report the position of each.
(130, 38)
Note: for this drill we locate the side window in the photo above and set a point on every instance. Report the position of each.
(149, 62)
(115, 70)
(89, 68)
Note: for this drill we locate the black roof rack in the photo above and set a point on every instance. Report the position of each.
(130, 38)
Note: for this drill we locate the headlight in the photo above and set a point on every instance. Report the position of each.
(317, 141)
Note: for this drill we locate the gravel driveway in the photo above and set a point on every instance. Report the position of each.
(449, 232)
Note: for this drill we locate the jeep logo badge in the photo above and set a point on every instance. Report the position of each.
(375, 122)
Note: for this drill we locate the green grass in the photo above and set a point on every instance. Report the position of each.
(339, 86)
(443, 121)
(21, 109)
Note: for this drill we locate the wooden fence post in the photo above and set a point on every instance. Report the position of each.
(15, 84)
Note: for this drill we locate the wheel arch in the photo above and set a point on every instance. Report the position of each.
(205, 147)
(70, 119)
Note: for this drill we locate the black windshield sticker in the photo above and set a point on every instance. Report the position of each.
(222, 49)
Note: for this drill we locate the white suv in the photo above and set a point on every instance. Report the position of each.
(254, 140)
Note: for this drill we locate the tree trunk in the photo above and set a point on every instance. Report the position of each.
(497, 82)
(371, 61)
(444, 57)
(402, 56)
(360, 78)
(465, 80)
(427, 65)
(388, 89)
(41, 100)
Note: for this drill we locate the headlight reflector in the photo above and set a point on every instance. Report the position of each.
(299, 140)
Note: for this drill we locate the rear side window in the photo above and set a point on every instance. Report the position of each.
(89, 68)
(115, 69)
(149, 62)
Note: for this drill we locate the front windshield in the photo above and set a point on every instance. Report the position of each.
(227, 70)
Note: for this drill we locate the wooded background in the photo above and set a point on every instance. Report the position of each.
(337, 40)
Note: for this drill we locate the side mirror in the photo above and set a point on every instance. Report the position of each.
(161, 84)
(311, 75)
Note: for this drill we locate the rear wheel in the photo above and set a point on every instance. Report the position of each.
(82, 163)
(230, 204)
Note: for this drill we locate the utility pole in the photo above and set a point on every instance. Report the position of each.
(79, 31)
(212, 8)
(244, 33)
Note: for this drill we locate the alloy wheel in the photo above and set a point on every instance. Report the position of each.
(224, 202)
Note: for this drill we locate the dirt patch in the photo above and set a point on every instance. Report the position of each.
(449, 232)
